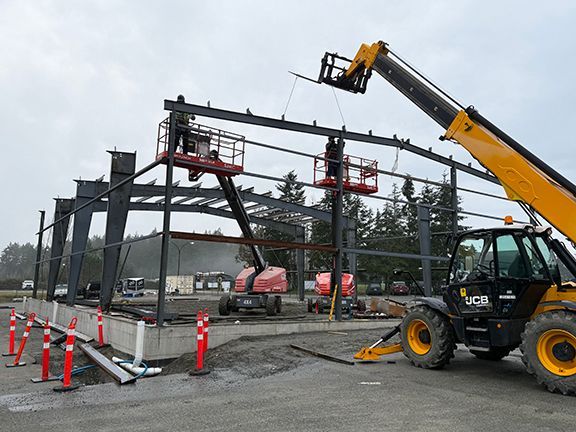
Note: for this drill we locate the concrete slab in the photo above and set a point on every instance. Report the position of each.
(171, 341)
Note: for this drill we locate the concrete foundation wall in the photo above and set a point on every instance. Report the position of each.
(172, 341)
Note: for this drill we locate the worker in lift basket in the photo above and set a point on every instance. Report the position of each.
(332, 153)
(182, 124)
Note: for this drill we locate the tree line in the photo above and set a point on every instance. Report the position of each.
(137, 259)
(392, 227)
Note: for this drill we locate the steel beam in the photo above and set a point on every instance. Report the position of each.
(373, 252)
(140, 190)
(337, 226)
(85, 191)
(63, 208)
(247, 241)
(122, 168)
(107, 365)
(233, 116)
(168, 194)
(38, 255)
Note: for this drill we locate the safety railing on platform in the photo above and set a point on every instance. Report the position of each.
(201, 148)
(360, 174)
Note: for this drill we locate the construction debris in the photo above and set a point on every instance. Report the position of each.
(322, 355)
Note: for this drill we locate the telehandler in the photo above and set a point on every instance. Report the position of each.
(507, 287)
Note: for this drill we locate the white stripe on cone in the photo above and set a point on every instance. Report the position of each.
(46, 345)
(69, 347)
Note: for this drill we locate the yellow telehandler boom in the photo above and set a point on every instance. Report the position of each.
(524, 177)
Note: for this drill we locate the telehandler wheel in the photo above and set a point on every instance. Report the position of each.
(427, 338)
(495, 354)
(271, 305)
(549, 350)
(310, 305)
(223, 305)
(278, 304)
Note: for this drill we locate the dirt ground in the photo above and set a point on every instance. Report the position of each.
(258, 357)
(245, 358)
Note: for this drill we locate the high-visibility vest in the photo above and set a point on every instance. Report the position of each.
(182, 118)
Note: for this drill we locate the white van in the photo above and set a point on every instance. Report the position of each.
(28, 285)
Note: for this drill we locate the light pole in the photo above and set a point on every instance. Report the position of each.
(179, 249)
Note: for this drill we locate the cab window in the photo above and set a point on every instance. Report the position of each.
(474, 259)
(537, 266)
(510, 262)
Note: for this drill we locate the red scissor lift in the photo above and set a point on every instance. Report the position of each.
(221, 153)
(210, 150)
(360, 174)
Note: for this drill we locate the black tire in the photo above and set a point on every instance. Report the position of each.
(361, 306)
(320, 306)
(495, 353)
(224, 305)
(310, 305)
(271, 305)
(560, 321)
(278, 304)
(232, 304)
(437, 335)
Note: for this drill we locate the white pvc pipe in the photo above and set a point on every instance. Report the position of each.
(136, 370)
(24, 304)
(139, 350)
(54, 311)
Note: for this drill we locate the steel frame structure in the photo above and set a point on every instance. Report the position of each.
(267, 211)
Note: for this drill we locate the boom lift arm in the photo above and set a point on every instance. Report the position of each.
(525, 178)
(237, 207)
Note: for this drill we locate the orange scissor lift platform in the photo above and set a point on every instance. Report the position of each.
(360, 174)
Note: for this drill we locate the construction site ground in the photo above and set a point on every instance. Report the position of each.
(287, 390)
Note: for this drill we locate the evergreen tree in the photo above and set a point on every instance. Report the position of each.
(291, 192)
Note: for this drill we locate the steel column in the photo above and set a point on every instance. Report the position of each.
(166, 223)
(123, 167)
(337, 210)
(59, 233)
(425, 247)
(85, 191)
(300, 262)
(38, 255)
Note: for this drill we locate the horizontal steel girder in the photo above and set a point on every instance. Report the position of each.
(238, 117)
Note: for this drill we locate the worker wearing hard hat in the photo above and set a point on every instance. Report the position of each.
(182, 127)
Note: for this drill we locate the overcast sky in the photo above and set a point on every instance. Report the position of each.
(80, 77)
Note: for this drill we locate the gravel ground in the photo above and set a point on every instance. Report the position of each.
(263, 384)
